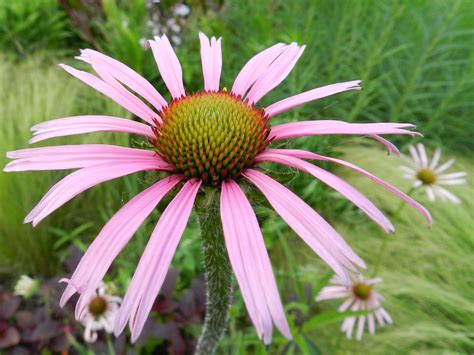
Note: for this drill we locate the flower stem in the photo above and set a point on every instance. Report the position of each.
(217, 270)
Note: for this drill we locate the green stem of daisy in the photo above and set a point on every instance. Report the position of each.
(217, 270)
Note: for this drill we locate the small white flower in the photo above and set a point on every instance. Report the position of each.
(26, 286)
(181, 10)
(172, 25)
(176, 40)
(99, 314)
(430, 175)
(359, 296)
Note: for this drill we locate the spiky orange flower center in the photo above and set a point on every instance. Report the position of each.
(211, 135)
(361, 291)
(426, 176)
(98, 306)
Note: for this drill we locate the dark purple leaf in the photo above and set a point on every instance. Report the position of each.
(187, 304)
(8, 305)
(25, 319)
(9, 337)
(170, 282)
(60, 343)
(47, 330)
(20, 350)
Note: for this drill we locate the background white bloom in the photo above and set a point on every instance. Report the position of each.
(100, 313)
(26, 286)
(431, 175)
(359, 296)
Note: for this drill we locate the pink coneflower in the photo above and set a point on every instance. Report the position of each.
(431, 176)
(214, 138)
(360, 296)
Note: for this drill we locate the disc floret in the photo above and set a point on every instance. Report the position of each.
(98, 306)
(361, 291)
(426, 176)
(211, 135)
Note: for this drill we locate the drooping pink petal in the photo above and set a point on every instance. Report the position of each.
(155, 261)
(69, 126)
(309, 225)
(311, 95)
(77, 156)
(278, 156)
(391, 148)
(249, 259)
(121, 96)
(211, 58)
(168, 65)
(275, 73)
(446, 195)
(255, 67)
(313, 156)
(330, 127)
(83, 179)
(125, 75)
(113, 238)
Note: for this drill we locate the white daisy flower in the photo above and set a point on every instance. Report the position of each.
(181, 10)
(359, 296)
(430, 175)
(26, 286)
(100, 313)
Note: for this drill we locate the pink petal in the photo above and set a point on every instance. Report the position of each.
(308, 155)
(309, 225)
(329, 127)
(275, 73)
(211, 58)
(168, 65)
(250, 261)
(77, 156)
(391, 148)
(113, 238)
(125, 75)
(85, 124)
(255, 67)
(311, 95)
(360, 328)
(83, 179)
(120, 95)
(155, 261)
(422, 155)
(436, 156)
(331, 180)
(414, 155)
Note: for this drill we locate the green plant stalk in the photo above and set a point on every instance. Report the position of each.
(217, 270)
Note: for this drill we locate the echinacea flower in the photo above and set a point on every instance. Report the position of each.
(430, 175)
(99, 314)
(26, 286)
(360, 296)
(214, 138)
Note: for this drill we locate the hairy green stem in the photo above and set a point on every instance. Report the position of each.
(217, 270)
